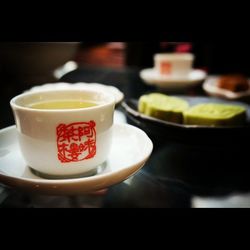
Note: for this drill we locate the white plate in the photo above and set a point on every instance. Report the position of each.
(152, 77)
(210, 86)
(130, 150)
(81, 85)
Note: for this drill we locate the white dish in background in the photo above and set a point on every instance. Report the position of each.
(130, 150)
(152, 77)
(81, 85)
(210, 86)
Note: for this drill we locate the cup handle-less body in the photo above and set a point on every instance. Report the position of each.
(65, 142)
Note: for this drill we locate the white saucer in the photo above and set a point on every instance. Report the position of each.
(130, 150)
(152, 77)
(210, 86)
(81, 85)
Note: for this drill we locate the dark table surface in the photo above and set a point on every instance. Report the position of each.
(178, 173)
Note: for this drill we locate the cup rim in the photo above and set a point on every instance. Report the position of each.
(14, 105)
(175, 56)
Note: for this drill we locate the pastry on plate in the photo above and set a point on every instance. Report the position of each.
(234, 83)
(213, 114)
(163, 107)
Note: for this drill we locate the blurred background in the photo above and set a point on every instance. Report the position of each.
(20, 60)
(25, 64)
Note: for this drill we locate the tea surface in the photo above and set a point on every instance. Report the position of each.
(62, 104)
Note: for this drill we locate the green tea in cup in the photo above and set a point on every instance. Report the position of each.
(62, 104)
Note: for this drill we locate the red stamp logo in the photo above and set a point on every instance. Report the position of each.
(76, 141)
(166, 68)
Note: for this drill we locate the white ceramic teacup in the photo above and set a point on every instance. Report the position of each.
(64, 142)
(173, 64)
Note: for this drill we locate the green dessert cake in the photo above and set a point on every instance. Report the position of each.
(212, 114)
(163, 107)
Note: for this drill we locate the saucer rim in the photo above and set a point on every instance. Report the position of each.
(160, 81)
(79, 180)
